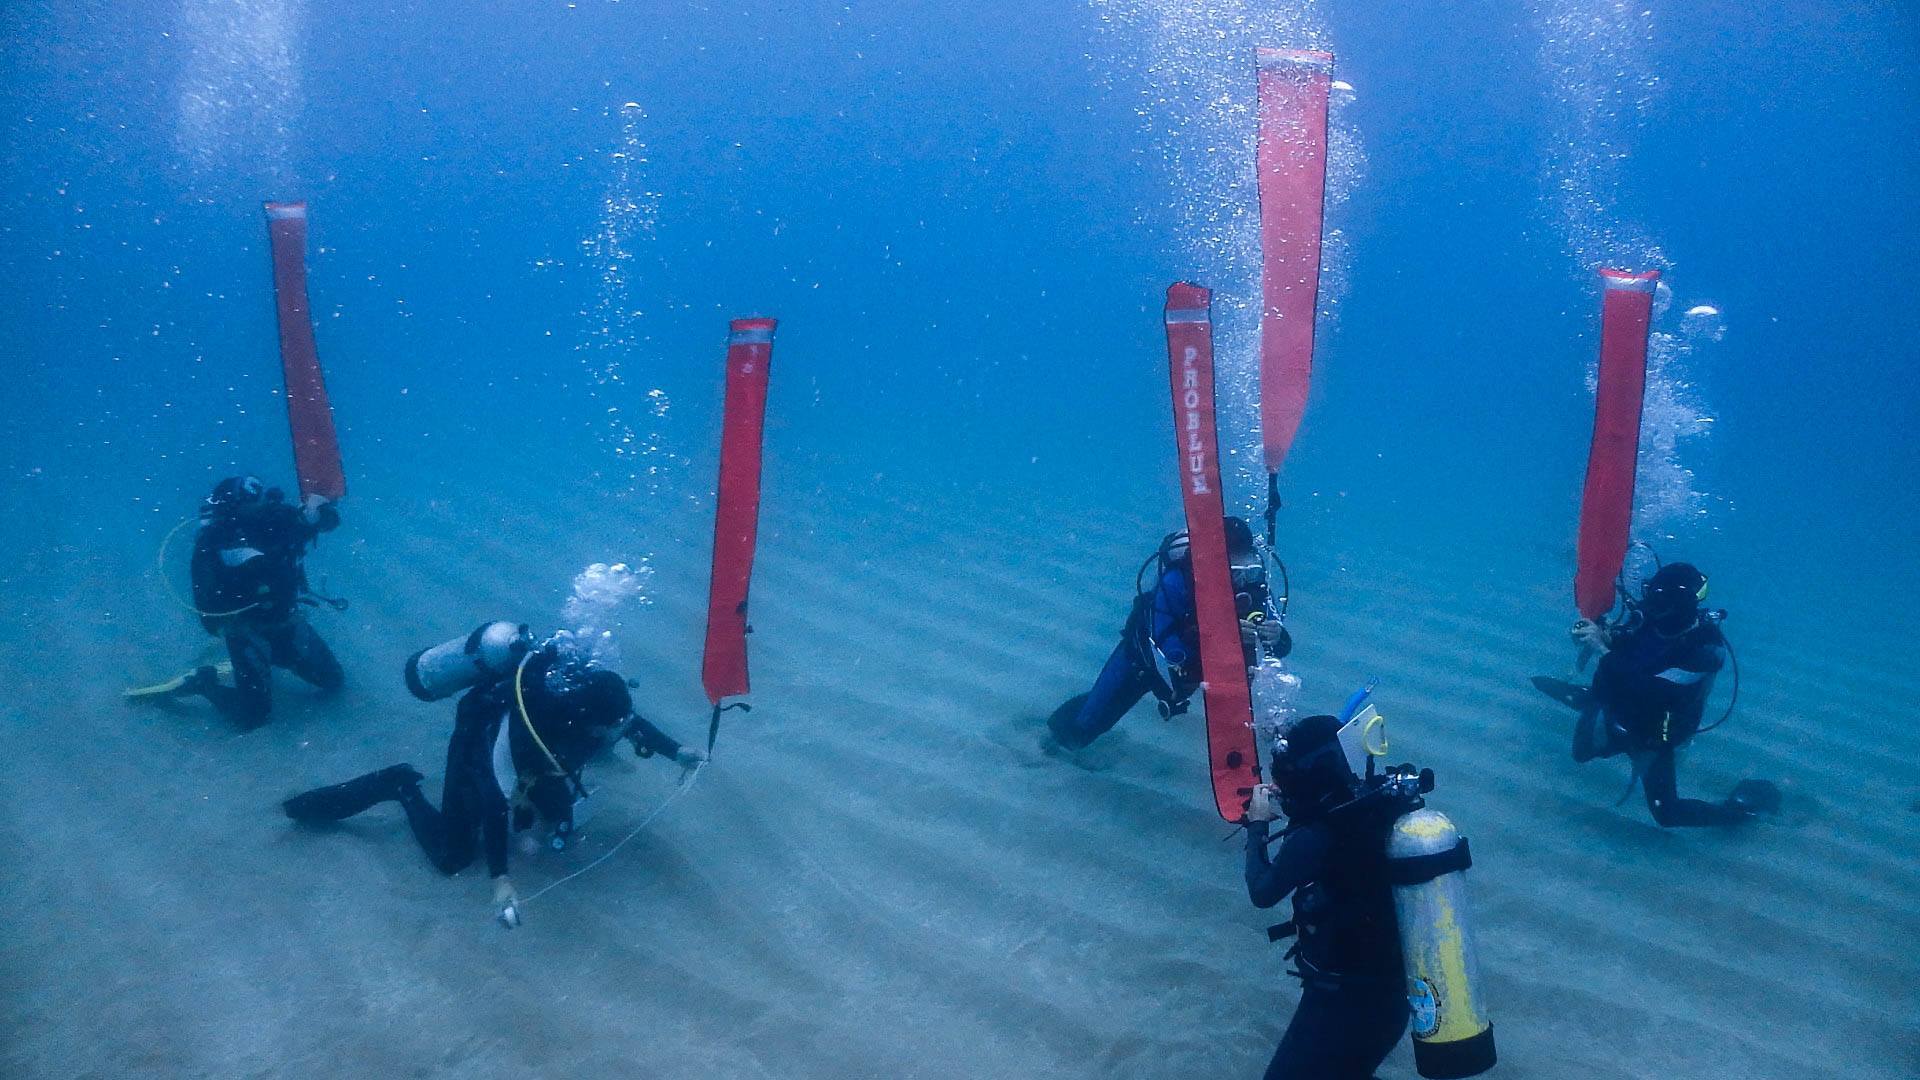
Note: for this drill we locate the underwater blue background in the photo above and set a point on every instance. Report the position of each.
(964, 224)
(965, 217)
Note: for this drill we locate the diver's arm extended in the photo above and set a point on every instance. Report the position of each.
(648, 740)
(479, 742)
(494, 823)
(1299, 860)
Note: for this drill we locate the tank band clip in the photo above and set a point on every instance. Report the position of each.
(1419, 869)
(1281, 931)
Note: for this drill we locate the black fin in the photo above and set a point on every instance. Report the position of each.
(1572, 695)
(1756, 796)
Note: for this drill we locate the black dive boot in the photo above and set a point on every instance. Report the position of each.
(1060, 724)
(341, 801)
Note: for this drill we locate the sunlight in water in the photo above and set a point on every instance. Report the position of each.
(1596, 57)
(632, 426)
(590, 619)
(1193, 73)
(239, 92)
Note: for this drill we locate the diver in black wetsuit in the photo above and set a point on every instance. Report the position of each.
(1159, 649)
(1333, 861)
(1656, 671)
(249, 583)
(507, 767)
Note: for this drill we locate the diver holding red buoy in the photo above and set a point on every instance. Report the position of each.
(249, 578)
(1379, 909)
(1159, 649)
(1658, 662)
(530, 719)
(249, 589)
(1660, 653)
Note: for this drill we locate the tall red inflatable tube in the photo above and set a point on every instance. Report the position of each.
(736, 517)
(316, 449)
(1231, 754)
(1606, 501)
(1292, 167)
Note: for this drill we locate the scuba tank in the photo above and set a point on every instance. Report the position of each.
(1426, 857)
(490, 651)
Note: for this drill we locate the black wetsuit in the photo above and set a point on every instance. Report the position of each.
(1649, 694)
(479, 803)
(247, 572)
(1353, 1005)
(498, 780)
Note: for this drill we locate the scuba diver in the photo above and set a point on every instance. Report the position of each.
(1333, 861)
(1159, 649)
(533, 718)
(1657, 667)
(249, 584)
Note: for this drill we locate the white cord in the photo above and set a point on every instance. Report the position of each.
(685, 786)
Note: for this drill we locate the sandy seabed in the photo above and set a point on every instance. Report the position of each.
(881, 874)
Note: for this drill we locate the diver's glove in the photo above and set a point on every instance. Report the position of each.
(506, 902)
(1590, 634)
(318, 511)
(1265, 637)
(1264, 805)
(689, 758)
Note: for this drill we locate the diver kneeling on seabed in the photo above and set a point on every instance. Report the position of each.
(1378, 907)
(249, 588)
(1159, 649)
(1657, 666)
(531, 718)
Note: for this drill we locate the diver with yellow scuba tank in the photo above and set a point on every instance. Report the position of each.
(532, 716)
(1378, 906)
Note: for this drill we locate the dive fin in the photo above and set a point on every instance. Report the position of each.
(175, 686)
(1572, 695)
(1755, 797)
(1060, 724)
(1633, 781)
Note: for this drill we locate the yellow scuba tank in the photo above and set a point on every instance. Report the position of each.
(1427, 857)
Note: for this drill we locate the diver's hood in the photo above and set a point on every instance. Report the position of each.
(1318, 761)
(1310, 766)
(236, 496)
(574, 696)
(1671, 598)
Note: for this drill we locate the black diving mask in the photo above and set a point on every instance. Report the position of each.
(1248, 576)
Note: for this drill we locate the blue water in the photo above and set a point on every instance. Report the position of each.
(530, 224)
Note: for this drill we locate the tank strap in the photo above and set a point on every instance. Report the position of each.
(1418, 869)
(1311, 974)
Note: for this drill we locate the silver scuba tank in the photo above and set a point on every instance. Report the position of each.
(490, 651)
(1427, 857)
